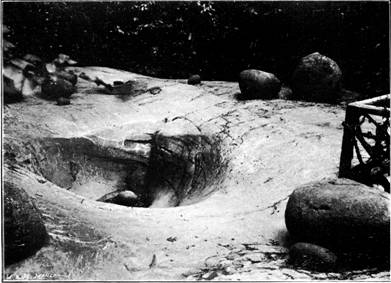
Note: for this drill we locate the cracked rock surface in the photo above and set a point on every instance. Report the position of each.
(218, 173)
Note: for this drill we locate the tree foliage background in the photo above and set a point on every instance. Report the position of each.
(214, 39)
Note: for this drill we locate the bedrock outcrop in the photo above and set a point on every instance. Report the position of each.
(66, 158)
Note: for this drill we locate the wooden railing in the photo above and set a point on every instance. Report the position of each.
(372, 148)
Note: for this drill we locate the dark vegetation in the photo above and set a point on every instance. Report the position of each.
(214, 39)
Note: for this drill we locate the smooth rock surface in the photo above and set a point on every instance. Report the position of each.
(340, 214)
(317, 78)
(256, 84)
(67, 157)
(24, 231)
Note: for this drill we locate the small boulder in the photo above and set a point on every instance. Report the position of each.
(312, 257)
(194, 80)
(24, 231)
(56, 87)
(255, 84)
(125, 198)
(285, 93)
(317, 78)
(342, 215)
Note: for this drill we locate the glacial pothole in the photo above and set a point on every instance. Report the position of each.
(148, 170)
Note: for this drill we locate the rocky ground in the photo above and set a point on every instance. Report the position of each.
(229, 224)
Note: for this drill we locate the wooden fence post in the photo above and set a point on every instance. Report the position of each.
(351, 120)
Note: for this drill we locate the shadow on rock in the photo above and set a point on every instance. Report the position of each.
(24, 231)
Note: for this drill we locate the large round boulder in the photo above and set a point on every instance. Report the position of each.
(256, 84)
(317, 78)
(24, 231)
(341, 215)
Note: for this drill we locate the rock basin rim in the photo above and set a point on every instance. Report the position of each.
(266, 149)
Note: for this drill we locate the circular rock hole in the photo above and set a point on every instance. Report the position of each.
(151, 170)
